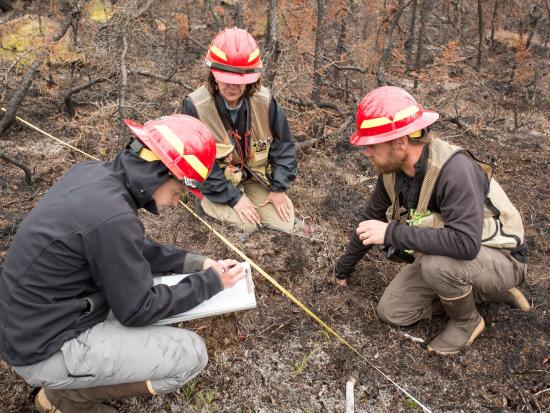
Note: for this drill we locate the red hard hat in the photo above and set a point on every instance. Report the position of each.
(234, 57)
(183, 143)
(388, 113)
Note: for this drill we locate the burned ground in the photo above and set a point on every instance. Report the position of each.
(275, 358)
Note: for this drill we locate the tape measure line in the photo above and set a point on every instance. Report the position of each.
(274, 282)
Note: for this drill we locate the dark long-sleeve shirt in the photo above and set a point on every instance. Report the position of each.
(82, 251)
(458, 195)
(282, 158)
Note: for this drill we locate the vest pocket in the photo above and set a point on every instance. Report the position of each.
(260, 152)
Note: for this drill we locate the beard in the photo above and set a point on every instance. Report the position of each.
(390, 165)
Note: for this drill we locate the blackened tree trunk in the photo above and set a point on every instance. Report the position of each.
(480, 34)
(409, 44)
(424, 8)
(272, 47)
(318, 58)
(381, 73)
(348, 10)
(493, 24)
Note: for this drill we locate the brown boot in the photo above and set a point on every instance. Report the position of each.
(464, 326)
(64, 401)
(87, 400)
(513, 297)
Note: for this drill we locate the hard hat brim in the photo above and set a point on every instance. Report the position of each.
(235, 78)
(426, 119)
(195, 192)
(145, 138)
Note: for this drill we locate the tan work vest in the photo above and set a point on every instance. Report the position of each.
(260, 139)
(502, 225)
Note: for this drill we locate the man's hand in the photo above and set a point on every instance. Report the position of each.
(371, 232)
(230, 271)
(246, 210)
(208, 263)
(281, 202)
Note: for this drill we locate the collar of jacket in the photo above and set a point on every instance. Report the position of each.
(140, 177)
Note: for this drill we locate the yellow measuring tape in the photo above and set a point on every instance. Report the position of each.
(262, 272)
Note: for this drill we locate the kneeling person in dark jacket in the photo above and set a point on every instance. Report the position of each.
(78, 278)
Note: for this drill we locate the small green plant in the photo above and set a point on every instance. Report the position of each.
(189, 390)
(301, 365)
(411, 405)
(206, 398)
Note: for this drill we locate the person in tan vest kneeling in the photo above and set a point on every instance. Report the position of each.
(435, 199)
(255, 151)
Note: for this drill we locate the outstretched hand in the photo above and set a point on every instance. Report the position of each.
(281, 202)
(371, 232)
(246, 211)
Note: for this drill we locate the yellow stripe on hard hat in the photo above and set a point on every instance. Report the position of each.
(197, 165)
(253, 55)
(218, 52)
(171, 137)
(402, 114)
(148, 155)
(372, 123)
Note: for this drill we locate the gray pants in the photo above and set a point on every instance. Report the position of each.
(409, 296)
(110, 353)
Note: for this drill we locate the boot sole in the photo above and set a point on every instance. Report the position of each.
(43, 405)
(478, 330)
(519, 299)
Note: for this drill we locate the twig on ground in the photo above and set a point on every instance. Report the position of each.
(350, 402)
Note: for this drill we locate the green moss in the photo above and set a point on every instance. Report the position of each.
(101, 11)
(28, 33)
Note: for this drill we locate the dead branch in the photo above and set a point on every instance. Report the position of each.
(196, 42)
(161, 78)
(21, 92)
(342, 128)
(19, 164)
(143, 9)
(272, 47)
(388, 42)
(69, 107)
(350, 9)
(317, 59)
(123, 83)
(239, 20)
(354, 68)
(409, 43)
(460, 123)
(311, 104)
(480, 29)
(420, 40)
(215, 15)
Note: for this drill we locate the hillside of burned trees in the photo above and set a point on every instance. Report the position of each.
(76, 69)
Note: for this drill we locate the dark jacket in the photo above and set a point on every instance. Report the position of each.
(282, 154)
(82, 252)
(458, 195)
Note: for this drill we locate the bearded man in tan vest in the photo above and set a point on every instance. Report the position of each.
(255, 151)
(436, 201)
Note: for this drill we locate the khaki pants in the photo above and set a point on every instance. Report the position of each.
(257, 193)
(409, 296)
